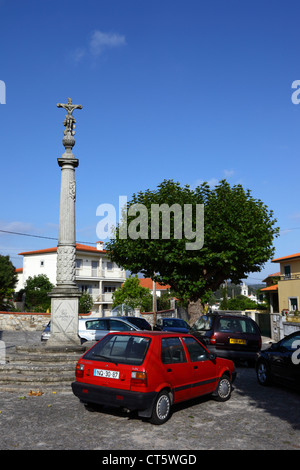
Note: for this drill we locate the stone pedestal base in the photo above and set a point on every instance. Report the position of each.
(64, 318)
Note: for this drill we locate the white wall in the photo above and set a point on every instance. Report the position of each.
(44, 263)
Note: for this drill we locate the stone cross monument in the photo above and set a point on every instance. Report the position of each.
(64, 297)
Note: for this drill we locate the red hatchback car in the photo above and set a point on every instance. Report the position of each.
(148, 371)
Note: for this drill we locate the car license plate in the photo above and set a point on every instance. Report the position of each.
(237, 341)
(108, 374)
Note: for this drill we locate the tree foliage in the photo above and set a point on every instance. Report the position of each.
(8, 280)
(85, 303)
(163, 301)
(238, 239)
(37, 289)
(241, 302)
(133, 294)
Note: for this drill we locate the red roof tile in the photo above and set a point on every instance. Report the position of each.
(285, 258)
(272, 275)
(147, 282)
(79, 247)
(273, 288)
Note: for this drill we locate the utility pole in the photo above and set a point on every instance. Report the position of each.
(154, 303)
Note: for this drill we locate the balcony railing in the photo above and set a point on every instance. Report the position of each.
(288, 277)
(105, 297)
(88, 272)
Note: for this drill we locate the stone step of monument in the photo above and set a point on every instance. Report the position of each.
(24, 389)
(37, 357)
(36, 367)
(44, 349)
(22, 368)
(37, 371)
(37, 378)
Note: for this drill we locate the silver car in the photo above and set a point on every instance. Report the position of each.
(93, 329)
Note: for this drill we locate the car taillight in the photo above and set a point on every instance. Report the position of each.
(212, 339)
(138, 378)
(79, 370)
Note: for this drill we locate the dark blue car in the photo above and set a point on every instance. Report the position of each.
(172, 324)
(281, 362)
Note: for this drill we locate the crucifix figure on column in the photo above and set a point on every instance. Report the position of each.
(69, 121)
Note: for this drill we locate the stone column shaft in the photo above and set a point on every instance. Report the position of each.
(66, 248)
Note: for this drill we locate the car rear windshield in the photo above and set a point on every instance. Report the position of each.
(236, 325)
(203, 323)
(121, 349)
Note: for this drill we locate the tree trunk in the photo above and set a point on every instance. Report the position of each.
(195, 310)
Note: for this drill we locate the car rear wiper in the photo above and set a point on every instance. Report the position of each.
(108, 359)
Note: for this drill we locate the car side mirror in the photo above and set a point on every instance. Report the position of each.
(212, 357)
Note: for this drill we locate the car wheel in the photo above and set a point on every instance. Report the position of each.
(262, 372)
(224, 389)
(162, 408)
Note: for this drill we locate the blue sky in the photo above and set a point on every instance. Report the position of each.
(189, 90)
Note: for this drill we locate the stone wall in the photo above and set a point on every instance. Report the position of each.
(282, 326)
(27, 321)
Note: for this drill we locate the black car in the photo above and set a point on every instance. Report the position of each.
(176, 325)
(232, 336)
(137, 321)
(281, 362)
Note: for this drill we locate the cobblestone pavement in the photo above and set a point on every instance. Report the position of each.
(255, 417)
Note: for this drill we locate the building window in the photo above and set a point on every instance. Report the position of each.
(109, 266)
(293, 303)
(85, 288)
(287, 271)
(78, 265)
(42, 264)
(95, 268)
(109, 289)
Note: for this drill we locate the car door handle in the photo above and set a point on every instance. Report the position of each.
(169, 370)
(195, 367)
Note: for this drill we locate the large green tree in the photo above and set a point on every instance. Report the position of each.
(238, 238)
(8, 281)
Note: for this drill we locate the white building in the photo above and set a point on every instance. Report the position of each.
(245, 292)
(95, 273)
